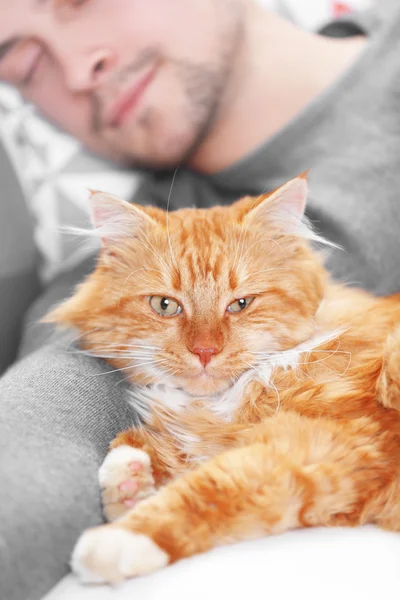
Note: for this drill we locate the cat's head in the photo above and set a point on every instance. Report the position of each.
(197, 297)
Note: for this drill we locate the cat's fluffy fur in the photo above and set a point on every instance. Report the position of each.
(311, 438)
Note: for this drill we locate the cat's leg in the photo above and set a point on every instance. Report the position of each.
(296, 472)
(131, 472)
(388, 385)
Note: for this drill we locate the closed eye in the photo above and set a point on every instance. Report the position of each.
(18, 65)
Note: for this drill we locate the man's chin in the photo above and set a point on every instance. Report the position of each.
(146, 162)
(152, 146)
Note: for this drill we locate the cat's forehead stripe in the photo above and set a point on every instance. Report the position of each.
(203, 266)
(202, 247)
(202, 227)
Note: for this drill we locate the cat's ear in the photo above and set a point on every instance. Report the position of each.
(285, 207)
(114, 219)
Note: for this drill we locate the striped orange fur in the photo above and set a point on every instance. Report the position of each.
(316, 444)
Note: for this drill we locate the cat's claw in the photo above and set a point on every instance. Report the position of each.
(109, 554)
(126, 479)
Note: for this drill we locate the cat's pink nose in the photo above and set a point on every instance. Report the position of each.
(205, 354)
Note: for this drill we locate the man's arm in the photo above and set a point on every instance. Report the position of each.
(58, 413)
(19, 281)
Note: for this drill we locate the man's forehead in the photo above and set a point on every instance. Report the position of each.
(12, 16)
(21, 4)
(21, 7)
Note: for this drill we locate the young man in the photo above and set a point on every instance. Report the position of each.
(240, 101)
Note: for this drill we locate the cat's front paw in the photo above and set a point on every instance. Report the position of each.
(125, 479)
(109, 554)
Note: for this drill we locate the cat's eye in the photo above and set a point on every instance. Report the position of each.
(166, 307)
(240, 304)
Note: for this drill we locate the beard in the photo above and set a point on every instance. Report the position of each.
(156, 140)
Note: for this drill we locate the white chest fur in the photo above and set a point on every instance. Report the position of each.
(173, 400)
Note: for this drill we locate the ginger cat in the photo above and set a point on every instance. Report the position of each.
(266, 390)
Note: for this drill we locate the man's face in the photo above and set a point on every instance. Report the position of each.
(138, 80)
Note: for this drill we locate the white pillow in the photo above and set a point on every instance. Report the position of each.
(309, 564)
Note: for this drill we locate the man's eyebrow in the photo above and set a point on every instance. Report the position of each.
(5, 47)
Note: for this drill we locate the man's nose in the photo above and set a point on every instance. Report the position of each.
(88, 71)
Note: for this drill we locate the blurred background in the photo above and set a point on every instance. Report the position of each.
(54, 172)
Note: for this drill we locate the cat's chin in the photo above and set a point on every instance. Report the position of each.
(204, 385)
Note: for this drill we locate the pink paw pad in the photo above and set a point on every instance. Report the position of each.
(136, 466)
(129, 486)
(130, 503)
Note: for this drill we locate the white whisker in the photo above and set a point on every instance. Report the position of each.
(127, 368)
(239, 247)
(167, 219)
(153, 251)
(271, 270)
(133, 273)
(258, 242)
(80, 336)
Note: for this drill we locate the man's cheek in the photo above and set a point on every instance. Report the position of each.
(69, 113)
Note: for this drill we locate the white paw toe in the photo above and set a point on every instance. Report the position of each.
(111, 555)
(115, 468)
(126, 478)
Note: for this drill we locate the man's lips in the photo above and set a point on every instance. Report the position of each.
(128, 100)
